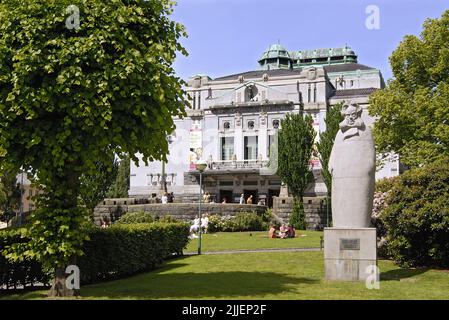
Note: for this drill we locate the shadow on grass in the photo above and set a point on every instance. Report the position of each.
(5, 294)
(192, 285)
(399, 274)
(169, 282)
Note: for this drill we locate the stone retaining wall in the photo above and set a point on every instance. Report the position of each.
(314, 208)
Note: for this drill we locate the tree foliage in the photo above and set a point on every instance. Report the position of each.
(412, 112)
(9, 195)
(94, 187)
(327, 138)
(70, 98)
(296, 139)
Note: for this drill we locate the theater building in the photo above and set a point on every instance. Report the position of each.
(233, 121)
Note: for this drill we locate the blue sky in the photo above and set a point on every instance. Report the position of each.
(229, 36)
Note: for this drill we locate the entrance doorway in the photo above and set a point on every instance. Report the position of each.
(272, 193)
(248, 193)
(228, 194)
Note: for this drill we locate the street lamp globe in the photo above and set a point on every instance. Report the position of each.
(201, 165)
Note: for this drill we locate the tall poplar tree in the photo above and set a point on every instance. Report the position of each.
(120, 187)
(296, 139)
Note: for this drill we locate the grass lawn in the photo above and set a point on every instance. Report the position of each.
(261, 275)
(221, 241)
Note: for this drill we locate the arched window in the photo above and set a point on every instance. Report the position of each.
(227, 125)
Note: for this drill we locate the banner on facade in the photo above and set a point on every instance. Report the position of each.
(195, 144)
(315, 162)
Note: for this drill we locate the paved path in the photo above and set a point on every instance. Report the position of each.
(257, 250)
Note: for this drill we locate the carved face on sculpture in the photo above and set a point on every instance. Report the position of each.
(352, 113)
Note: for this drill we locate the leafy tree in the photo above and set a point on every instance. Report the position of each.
(120, 187)
(9, 195)
(94, 187)
(296, 138)
(72, 96)
(412, 111)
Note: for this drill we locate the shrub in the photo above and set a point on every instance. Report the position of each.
(136, 217)
(249, 221)
(243, 221)
(417, 217)
(126, 249)
(118, 251)
(216, 223)
(167, 219)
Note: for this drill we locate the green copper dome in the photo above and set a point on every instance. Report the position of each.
(275, 57)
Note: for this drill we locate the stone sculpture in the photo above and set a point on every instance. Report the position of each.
(352, 165)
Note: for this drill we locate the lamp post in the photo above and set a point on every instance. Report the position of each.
(164, 179)
(200, 166)
(21, 201)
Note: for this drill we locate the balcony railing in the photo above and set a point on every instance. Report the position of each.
(238, 165)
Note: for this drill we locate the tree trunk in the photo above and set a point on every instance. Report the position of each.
(67, 200)
(59, 286)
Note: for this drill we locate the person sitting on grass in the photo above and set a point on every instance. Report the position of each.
(205, 222)
(283, 232)
(291, 232)
(194, 228)
(272, 233)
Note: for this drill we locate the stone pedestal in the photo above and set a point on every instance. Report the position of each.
(348, 252)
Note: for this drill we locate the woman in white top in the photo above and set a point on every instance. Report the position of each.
(205, 223)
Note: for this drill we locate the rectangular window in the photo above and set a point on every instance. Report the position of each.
(314, 94)
(250, 183)
(227, 148)
(308, 94)
(251, 148)
(270, 143)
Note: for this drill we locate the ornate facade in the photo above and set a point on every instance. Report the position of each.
(233, 121)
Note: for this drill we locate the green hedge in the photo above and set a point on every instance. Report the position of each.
(416, 217)
(244, 221)
(125, 249)
(118, 251)
(18, 274)
(136, 217)
(145, 217)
